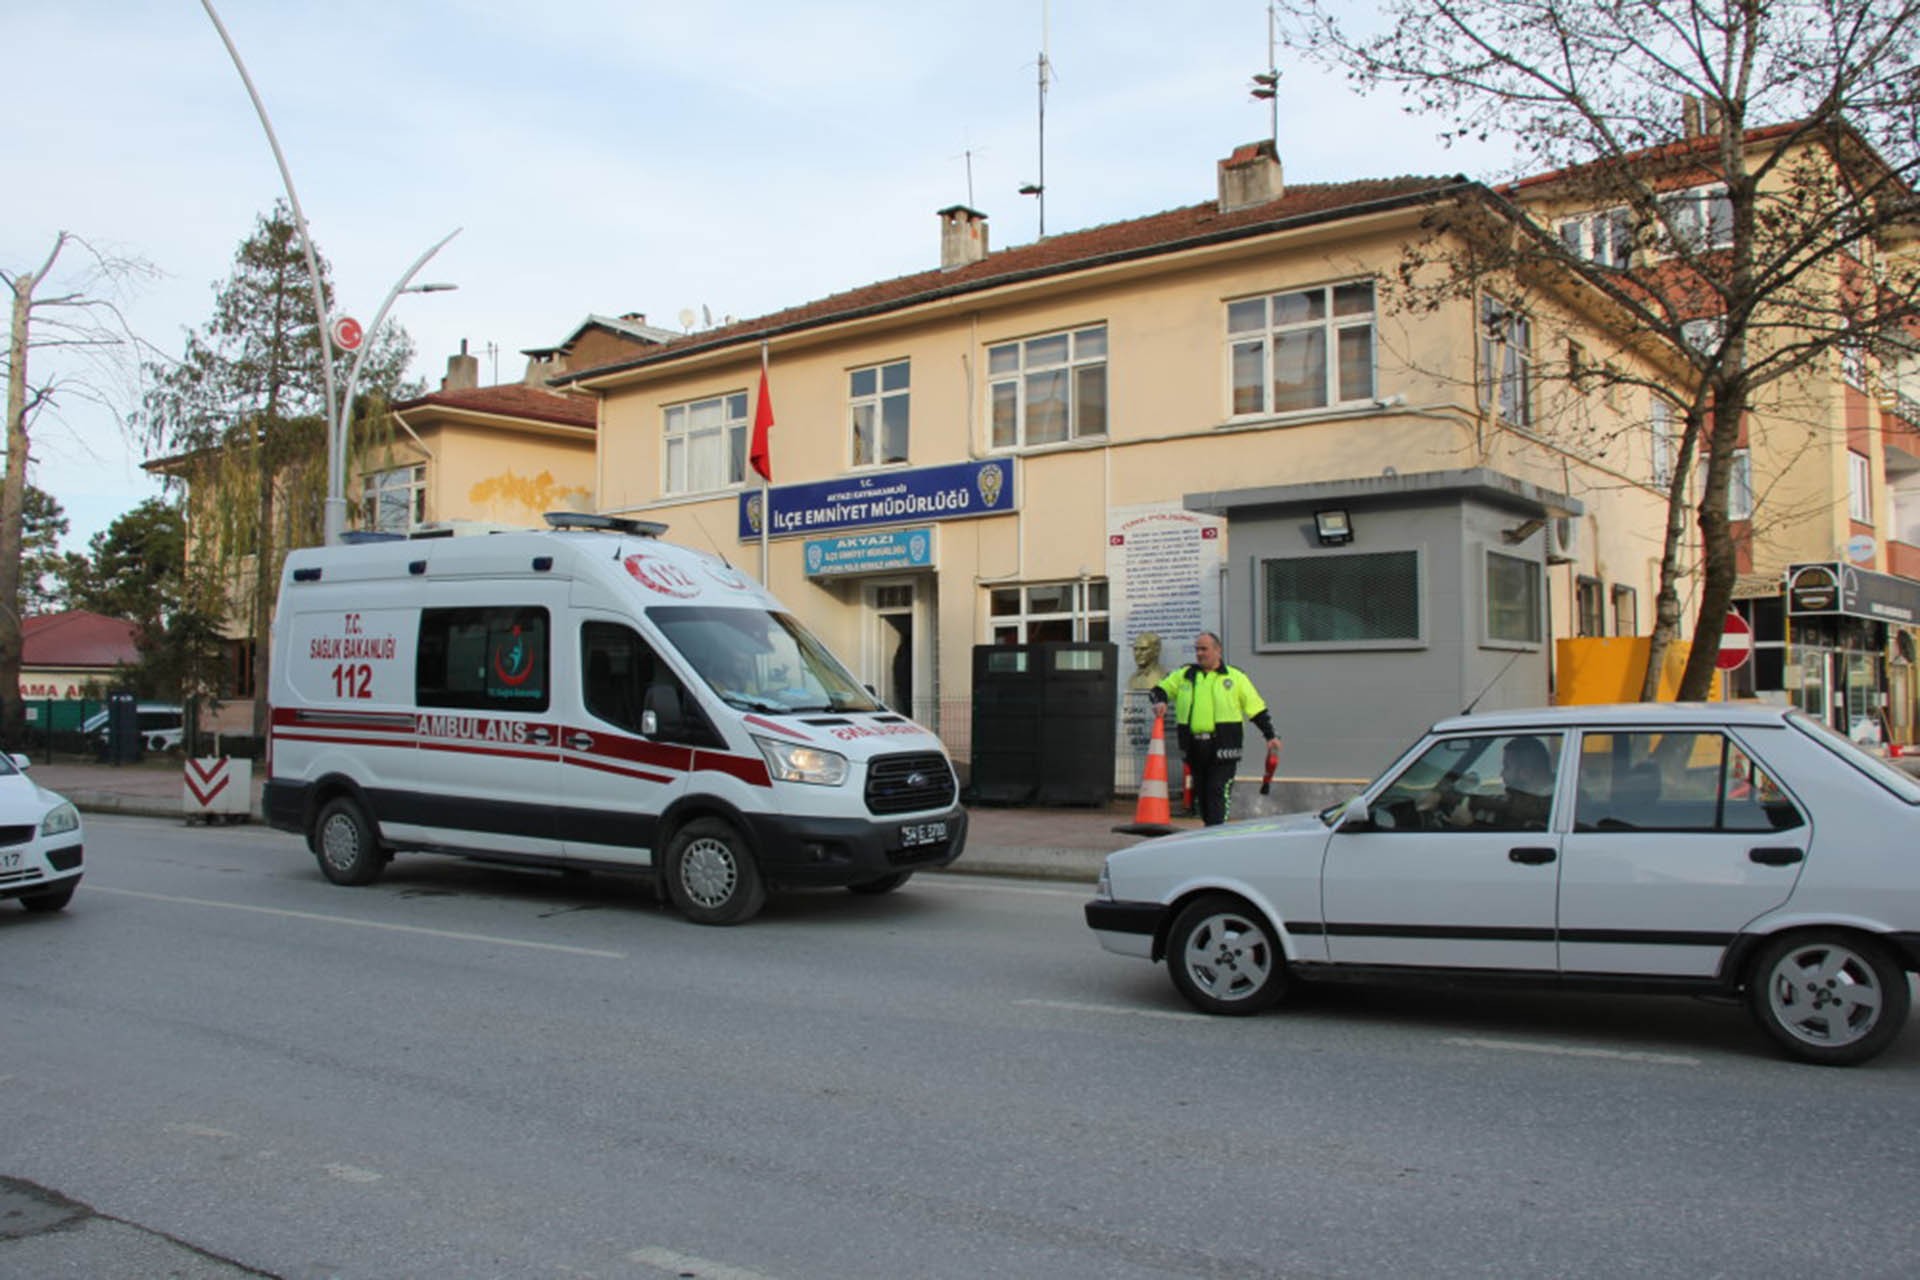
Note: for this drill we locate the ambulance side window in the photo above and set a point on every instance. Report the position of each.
(616, 666)
(483, 659)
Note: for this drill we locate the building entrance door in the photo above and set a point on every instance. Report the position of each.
(894, 657)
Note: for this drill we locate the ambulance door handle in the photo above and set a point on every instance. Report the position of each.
(580, 741)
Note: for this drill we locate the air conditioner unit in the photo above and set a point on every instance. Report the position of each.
(1563, 534)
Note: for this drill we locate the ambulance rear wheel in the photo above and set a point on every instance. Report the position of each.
(710, 873)
(343, 841)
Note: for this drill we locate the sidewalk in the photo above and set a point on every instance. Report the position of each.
(1051, 844)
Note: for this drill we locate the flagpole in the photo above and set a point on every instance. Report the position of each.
(766, 499)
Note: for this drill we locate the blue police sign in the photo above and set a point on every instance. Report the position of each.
(881, 551)
(957, 491)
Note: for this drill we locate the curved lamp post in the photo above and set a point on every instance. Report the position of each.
(338, 412)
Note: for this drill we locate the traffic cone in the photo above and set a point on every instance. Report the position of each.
(1150, 816)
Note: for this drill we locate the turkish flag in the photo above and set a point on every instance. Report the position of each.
(760, 455)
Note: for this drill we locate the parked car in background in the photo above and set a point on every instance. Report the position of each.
(1702, 848)
(40, 840)
(160, 726)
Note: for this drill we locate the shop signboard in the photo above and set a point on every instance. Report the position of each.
(1834, 588)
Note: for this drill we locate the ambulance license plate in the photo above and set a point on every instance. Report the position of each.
(915, 835)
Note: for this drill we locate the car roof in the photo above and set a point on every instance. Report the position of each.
(1620, 715)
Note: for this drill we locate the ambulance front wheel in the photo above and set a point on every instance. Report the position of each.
(710, 873)
(343, 841)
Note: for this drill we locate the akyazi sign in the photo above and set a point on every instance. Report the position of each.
(954, 492)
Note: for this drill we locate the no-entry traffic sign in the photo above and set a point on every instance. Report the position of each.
(1736, 643)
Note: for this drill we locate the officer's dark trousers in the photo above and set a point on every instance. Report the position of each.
(1212, 781)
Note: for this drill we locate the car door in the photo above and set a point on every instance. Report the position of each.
(1429, 878)
(1679, 838)
(617, 779)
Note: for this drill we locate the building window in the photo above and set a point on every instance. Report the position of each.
(1605, 238)
(1513, 600)
(706, 443)
(1740, 486)
(1590, 603)
(1506, 362)
(394, 501)
(1307, 349)
(1705, 335)
(1626, 611)
(1341, 599)
(1859, 488)
(1045, 611)
(1049, 389)
(1701, 217)
(1660, 441)
(877, 404)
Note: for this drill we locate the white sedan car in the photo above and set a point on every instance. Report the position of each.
(1653, 847)
(39, 841)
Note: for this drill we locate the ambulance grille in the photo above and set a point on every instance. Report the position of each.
(909, 783)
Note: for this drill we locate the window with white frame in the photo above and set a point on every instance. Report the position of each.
(706, 443)
(395, 500)
(1605, 237)
(1859, 488)
(877, 401)
(1706, 334)
(1368, 598)
(1513, 600)
(1304, 349)
(1701, 217)
(1740, 486)
(1506, 362)
(1590, 614)
(1626, 611)
(1660, 440)
(1045, 611)
(1048, 389)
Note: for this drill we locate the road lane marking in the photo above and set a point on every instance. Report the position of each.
(1074, 1006)
(986, 884)
(199, 1131)
(687, 1265)
(1575, 1051)
(352, 1173)
(318, 918)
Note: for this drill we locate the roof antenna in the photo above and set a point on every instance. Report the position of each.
(1039, 188)
(1468, 709)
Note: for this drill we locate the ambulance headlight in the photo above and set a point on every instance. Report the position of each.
(798, 762)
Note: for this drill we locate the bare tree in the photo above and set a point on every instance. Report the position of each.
(1741, 168)
(81, 319)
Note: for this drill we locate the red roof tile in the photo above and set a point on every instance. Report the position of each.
(1157, 233)
(515, 400)
(77, 639)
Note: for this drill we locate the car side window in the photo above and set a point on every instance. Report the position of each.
(1491, 782)
(1698, 781)
(616, 668)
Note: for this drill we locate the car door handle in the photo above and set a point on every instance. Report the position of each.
(580, 741)
(1776, 857)
(1531, 855)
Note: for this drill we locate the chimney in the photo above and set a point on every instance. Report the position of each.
(963, 236)
(1250, 176)
(463, 371)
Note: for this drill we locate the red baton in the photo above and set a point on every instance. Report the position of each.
(1273, 762)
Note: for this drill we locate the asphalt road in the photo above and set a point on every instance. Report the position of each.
(469, 1072)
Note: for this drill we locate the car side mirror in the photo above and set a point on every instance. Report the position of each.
(661, 715)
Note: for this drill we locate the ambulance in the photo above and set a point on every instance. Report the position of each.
(588, 697)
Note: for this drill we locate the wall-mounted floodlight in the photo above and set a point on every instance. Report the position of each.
(1333, 527)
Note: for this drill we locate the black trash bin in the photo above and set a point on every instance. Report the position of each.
(1006, 724)
(1044, 722)
(123, 729)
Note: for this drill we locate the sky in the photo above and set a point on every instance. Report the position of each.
(722, 157)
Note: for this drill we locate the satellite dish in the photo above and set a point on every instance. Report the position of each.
(686, 318)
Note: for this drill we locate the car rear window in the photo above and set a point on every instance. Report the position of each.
(1901, 784)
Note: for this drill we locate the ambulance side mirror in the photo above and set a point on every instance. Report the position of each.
(661, 714)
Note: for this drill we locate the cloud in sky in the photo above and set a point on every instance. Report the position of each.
(740, 155)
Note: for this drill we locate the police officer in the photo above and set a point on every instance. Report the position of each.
(1210, 699)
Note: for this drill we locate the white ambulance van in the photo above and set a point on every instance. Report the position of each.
(588, 697)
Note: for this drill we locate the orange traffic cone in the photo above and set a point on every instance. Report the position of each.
(1150, 816)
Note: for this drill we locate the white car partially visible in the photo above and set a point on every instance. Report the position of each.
(40, 840)
(1741, 851)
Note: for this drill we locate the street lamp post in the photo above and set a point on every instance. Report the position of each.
(338, 410)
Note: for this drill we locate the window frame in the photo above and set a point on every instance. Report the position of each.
(729, 432)
(876, 402)
(1332, 326)
(1692, 210)
(1859, 487)
(1631, 597)
(1421, 639)
(1022, 373)
(1617, 225)
(373, 490)
(1083, 615)
(1661, 437)
(1536, 582)
(1506, 360)
(1589, 607)
(1740, 486)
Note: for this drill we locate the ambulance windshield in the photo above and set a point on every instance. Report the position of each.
(760, 661)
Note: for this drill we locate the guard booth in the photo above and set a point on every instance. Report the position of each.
(1043, 722)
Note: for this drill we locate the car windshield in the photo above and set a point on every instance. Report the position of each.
(1901, 784)
(761, 661)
